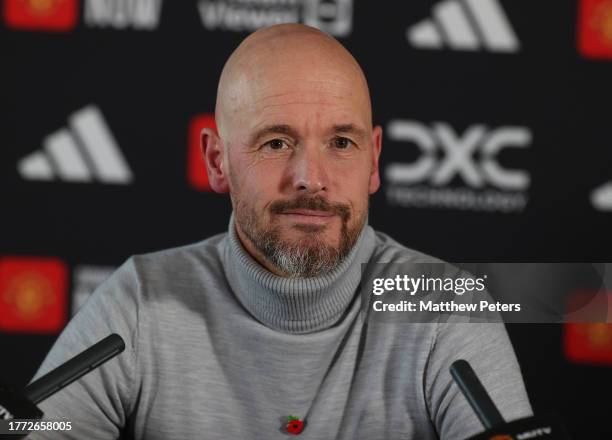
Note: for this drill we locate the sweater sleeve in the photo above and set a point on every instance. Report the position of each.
(99, 403)
(487, 347)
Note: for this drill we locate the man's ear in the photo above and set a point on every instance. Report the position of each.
(212, 150)
(376, 147)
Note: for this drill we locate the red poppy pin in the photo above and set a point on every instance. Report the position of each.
(294, 425)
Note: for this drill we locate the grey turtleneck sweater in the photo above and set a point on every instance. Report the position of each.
(217, 347)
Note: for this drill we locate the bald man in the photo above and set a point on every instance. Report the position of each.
(295, 149)
(256, 333)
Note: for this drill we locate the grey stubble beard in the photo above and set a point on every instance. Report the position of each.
(308, 256)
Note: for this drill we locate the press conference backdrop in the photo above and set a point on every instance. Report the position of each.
(497, 147)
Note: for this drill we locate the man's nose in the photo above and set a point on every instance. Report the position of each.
(308, 171)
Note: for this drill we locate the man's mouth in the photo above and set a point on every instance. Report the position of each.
(308, 212)
(308, 216)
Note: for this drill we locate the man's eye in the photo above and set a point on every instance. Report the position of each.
(275, 144)
(342, 143)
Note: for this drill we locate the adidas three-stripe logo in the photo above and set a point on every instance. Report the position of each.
(468, 25)
(84, 153)
(602, 197)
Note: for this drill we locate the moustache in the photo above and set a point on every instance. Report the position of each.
(316, 203)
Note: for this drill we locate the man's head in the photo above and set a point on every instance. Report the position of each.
(295, 148)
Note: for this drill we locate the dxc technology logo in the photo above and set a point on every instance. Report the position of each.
(447, 157)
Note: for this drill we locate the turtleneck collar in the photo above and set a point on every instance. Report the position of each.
(295, 305)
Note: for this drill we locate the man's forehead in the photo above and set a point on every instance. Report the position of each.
(325, 95)
(304, 68)
(313, 107)
(307, 112)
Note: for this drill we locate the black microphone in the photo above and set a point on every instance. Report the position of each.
(75, 368)
(547, 427)
(476, 395)
(22, 405)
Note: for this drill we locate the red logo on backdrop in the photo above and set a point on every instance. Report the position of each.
(595, 28)
(33, 294)
(41, 15)
(196, 165)
(589, 341)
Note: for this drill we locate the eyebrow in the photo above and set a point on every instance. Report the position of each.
(349, 129)
(290, 131)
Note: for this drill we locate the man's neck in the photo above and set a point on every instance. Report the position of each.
(294, 304)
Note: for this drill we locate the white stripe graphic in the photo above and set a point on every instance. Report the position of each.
(35, 166)
(602, 197)
(425, 35)
(66, 155)
(495, 27)
(110, 166)
(486, 26)
(452, 19)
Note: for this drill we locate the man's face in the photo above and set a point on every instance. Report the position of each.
(301, 159)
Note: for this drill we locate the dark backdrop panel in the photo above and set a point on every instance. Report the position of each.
(149, 75)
